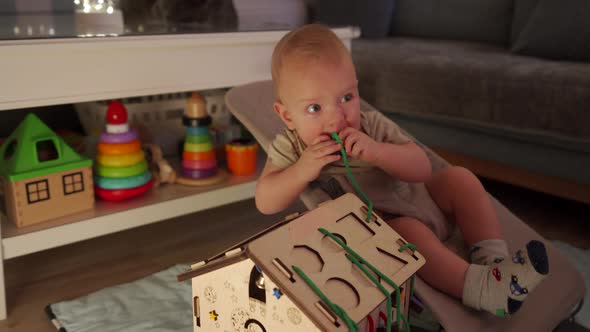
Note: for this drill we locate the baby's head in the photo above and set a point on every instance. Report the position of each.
(315, 83)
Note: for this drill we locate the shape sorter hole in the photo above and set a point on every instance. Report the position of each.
(330, 245)
(342, 293)
(46, 150)
(394, 262)
(352, 224)
(307, 258)
(10, 149)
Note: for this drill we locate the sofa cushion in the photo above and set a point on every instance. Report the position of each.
(481, 20)
(373, 17)
(522, 11)
(476, 82)
(557, 30)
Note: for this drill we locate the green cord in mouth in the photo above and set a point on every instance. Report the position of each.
(352, 179)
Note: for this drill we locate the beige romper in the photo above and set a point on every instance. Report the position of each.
(389, 195)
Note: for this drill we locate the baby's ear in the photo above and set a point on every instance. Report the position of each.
(281, 110)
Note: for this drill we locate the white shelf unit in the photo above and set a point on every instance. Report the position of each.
(60, 71)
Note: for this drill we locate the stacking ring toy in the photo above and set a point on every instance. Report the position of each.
(121, 160)
(196, 122)
(199, 156)
(119, 148)
(197, 138)
(199, 164)
(122, 183)
(117, 128)
(120, 194)
(197, 130)
(121, 172)
(129, 136)
(198, 147)
(198, 173)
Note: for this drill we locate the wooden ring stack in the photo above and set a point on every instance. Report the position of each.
(199, 165)
(121, 171)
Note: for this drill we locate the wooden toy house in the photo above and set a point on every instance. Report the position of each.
(41, 177)
(325, 270)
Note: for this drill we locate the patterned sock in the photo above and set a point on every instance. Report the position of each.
(501, 288)
(487, 252)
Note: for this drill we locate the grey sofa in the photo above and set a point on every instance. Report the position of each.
(501, 85)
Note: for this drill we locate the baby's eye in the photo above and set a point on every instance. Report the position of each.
(313, 108)
(346, 98)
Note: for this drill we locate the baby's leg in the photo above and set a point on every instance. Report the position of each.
(443, 270)
(499, 288)
(461, 196)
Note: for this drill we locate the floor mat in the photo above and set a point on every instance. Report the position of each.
(159, 303)
(156, 303)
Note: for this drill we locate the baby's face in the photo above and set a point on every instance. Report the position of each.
(319, 98)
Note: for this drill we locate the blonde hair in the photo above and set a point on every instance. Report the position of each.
(313, 42)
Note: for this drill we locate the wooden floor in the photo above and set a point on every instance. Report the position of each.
(67, 272)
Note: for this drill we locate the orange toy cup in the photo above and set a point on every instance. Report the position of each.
(241, 156)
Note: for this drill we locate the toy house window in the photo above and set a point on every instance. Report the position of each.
(73, 183)
(37, 191)
(46, 150)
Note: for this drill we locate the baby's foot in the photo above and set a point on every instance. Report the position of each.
(504, 286)
(488, 252)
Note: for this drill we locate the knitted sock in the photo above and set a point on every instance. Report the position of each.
(501, 288)
(488, 252)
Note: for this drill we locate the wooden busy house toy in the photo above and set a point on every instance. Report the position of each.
(325, 270)
(199, 164)
(41, 176)
(121, 170)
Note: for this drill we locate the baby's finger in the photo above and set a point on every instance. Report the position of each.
(326, 149)
(321, 138)
(322, 145)
(330, 159)
(345, 133)
(350, 142)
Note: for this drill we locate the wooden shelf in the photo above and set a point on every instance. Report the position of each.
(165, 202)
(56, 71)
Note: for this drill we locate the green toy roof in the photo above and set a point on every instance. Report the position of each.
(20, 158)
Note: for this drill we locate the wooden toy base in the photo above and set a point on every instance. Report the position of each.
(221, 174)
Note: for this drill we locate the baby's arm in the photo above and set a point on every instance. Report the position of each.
(408, 162)
(278, 187)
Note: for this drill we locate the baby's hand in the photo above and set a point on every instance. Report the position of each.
(316, 156)
(358, 145)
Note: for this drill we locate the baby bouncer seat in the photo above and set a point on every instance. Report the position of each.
(552, 302)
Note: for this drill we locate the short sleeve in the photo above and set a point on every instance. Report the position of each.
(282, 151)
(383, 129)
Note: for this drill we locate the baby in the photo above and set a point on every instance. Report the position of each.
(317, 95)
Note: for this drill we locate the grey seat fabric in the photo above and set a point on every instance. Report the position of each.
(551, 303)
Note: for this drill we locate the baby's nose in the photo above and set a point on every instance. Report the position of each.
(336, 123)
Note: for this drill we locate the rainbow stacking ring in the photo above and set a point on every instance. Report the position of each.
(199, 164)
(207, 155)
(197, 138)
(120, 194)
(121, 160)
(198, 147)
(117, 128)
(198, 173)
(122, 183)
(121, 172)
(119, 148)
(196, 122)
(129, 136)
(197, 130)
